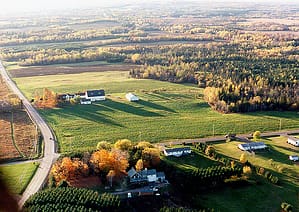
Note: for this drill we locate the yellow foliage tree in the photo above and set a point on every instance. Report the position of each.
(103, 145)
(150, 157)
(143, 145)
(139, 165)
(247, 170)
(123, 145)
(243, 158)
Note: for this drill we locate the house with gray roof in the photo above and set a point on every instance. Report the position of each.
(145, 176)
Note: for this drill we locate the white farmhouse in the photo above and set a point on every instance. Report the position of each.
(177, 152)
(294, 141)
(95, 95)
(132, 97)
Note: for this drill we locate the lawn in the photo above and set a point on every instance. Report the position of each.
(264, 196)
(18, 176)
(166, 111)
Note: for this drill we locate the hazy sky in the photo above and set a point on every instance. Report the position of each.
(40, 5)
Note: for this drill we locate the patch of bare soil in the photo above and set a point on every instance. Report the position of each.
(86, 182)
(53, 70)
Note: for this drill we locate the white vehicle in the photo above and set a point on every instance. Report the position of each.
(294, 158)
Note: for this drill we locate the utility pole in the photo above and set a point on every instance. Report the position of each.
(279, 124)
(213, 129)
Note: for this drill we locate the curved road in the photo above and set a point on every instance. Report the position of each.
(50, 155)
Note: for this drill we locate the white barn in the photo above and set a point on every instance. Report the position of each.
(132, 97)
(95, 95)
(252, 146)
(177, 152)
(294, 141)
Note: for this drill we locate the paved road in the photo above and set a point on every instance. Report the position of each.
(222, 138)
(49, 144)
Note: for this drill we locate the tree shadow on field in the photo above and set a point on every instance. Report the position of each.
(275, 155)
(275, 114)
(113, 105)
(154, 106)
(87, 112)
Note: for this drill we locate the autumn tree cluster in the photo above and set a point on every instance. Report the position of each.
(68, 169)
(48, 99)
(110, 161)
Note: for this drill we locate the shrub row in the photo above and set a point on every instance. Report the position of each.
(62, 198)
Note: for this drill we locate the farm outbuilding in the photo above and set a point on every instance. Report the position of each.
(95, 95)
(294, 141)
(252, 146)
(132, 97)
(85, 101)
(177, 152)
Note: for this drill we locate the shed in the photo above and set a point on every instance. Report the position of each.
(132, 97)
(177, 151)
(252, 146)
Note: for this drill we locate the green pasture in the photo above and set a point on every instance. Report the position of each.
(18, 176)
(262, 196)
(166, 111)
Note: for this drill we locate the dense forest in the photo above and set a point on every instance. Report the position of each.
(244, 61)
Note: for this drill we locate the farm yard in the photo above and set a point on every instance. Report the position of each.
(18, 135)
(265, 195)
(166, 111)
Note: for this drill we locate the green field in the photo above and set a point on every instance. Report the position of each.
(166, 111)
(18, 176)
(264, 196)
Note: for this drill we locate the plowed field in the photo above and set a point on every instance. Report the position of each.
(17, 132)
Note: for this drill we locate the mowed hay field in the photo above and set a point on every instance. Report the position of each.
(18, 176)
(262, 196)
(166, 111)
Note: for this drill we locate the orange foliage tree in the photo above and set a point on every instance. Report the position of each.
(48, 99)
(105, 161)
(68, 169)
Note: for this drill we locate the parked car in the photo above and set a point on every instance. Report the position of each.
(294, 158)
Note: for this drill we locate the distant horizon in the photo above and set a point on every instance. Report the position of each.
(26, 6)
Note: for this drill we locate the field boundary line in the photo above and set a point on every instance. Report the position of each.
(13, 135)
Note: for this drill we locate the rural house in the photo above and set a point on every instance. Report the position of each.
(65, 97)
(95, 95)
(294, 141)
(252, 146)
(177, 152)
(131, 97)
(145, 176)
